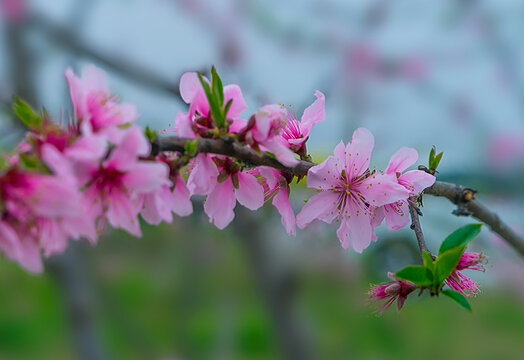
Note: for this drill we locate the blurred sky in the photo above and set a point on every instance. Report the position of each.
(415, 73)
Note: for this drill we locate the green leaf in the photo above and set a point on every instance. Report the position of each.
(29, 162)
(417, 274)
(446, 263)
(215, 108)
(432, 153)
(436, 160)
(150, 134)
(218, 88)
(460, 237)
(428, 259)
(191, 147)
(458, 298)
(26, 114)
(226, 109)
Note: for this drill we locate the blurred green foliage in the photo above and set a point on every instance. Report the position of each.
(187, 292)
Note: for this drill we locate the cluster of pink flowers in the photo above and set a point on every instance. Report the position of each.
(69, 181)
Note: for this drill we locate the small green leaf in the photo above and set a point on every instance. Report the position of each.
(218, 88)
(428, 259)
(3, 163)
(460, 237)
(191, 147)
(436, 160)
(150, 134)
(214, 106)
(418, 275)
(446, 263)
(458, 298)
(432, 153)
(226, 109)
(29, 162)
(26, 114)
(124, 126)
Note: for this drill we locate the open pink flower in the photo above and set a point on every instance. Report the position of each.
(276, 188)
(460, 282)
(265, 133)
(390, 291)
(415, 181)
(93, 104)
(349, 193)
(118, 183)
(203, 175)
(162, 202)
(198, 116)
(296, 133)
(232, 185)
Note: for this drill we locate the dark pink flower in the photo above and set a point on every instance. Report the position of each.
(460, 282)
(390, 291)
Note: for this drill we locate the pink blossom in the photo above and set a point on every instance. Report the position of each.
(349, 193)
(276, 188)
(203, 176)
(460, 282)
(296, 133)
(14, 11)
(162, 202)
(197, 119)
(93, 104)
(391, 291)
(415, 181)
(233, 185)
(264, 132)
(118, 183)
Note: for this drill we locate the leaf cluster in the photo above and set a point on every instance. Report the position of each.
(434, 272)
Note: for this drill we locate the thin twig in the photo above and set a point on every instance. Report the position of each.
(415, 226)
(460, 195)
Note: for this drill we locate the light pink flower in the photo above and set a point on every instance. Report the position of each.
(18, 246)
(415, 181)
(391, 291)
(203, 175)
(93, 104)
(349, 193)
(197, 119)
(265, 133)
(296, 133)
(233, 185)
(460, 282)
(276, 188)
(117, 183)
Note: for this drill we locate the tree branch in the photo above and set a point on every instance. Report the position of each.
(459, 195)
(463, 197)
(415, 226)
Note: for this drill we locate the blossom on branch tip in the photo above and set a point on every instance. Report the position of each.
(349, 192)
(390, 291)
(460, 282)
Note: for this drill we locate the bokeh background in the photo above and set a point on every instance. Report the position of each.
(448, 73)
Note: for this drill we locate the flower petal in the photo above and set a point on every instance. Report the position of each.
(282, 204)
(317, 207)
(401, 160)
(313, 114)
(382, 189)
(233, 92)
(220, 203)
(249, 193)
(417, 180)
(182, 205)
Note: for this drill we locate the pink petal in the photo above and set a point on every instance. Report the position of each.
(382, 189)
(249, 193)
(124, 156)
(361, 231)
(397, 215)
(271, 175)
(203, 178)
(359, 152)
(157, 206)
(233, 92)
(282, 204)
(283, 154)
(418, 180)
(146, 176)
(220, 203)
(343, 234)
(317, 207)
(76, 92)
(324, 175)
(189, 86)
(122, 213)
(183, 126)
(237, 125)
(95, 79)
(313, 114)
(52, 239)
(401, 160)
(182, 205)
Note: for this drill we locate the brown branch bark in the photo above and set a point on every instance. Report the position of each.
(462, 196)
(417, 228)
